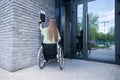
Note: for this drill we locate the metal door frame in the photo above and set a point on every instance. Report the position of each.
(74, 24)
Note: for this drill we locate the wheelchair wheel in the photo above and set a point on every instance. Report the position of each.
(41, 59)
(61, 58)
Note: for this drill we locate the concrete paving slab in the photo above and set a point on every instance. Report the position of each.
(73, 70)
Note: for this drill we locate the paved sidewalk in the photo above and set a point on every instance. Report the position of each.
(73, 70)
(103, 55)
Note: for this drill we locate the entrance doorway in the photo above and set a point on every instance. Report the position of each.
(67, 9)
(76, 22)
(77, 32)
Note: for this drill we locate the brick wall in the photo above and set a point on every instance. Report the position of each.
(6, 31)
(25, 35)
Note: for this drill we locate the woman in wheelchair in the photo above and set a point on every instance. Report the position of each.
(49, 48)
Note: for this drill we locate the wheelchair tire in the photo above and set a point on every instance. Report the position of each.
(61, 58)
(41, 59)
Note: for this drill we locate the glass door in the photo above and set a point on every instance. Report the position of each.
(102, 31)
(79, 30)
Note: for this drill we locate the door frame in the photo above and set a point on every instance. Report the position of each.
(74, 26)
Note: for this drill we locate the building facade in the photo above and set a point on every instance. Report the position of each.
(20, 36)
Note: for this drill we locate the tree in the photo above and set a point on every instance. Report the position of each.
(93, 26)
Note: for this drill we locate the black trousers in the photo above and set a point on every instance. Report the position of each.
(49, 51)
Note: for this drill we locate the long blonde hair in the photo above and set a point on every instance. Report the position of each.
(52, 32)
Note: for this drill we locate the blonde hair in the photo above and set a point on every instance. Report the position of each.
(52, 30)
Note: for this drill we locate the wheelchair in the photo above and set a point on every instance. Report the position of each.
(48, 52)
